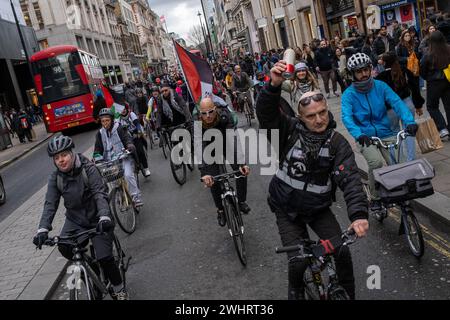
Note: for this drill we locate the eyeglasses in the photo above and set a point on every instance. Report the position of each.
(207, 113)
(307, 100)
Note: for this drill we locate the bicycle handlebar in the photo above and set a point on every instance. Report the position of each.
(227, 176)
(57, 239)
(401, 135)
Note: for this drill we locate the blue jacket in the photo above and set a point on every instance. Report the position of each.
(366, 114)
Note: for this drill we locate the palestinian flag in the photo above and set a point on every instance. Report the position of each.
(196, 71)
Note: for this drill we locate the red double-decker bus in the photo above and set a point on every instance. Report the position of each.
(66, 79)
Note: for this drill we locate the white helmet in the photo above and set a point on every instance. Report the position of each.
(357, 61)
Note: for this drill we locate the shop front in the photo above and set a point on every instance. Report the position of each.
(341, 18)
(404, 11)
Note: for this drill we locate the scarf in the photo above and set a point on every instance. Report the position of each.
(312, 141)
(364, 86)
(167, 110)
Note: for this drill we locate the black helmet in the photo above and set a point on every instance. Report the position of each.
(106, 112)
(59, 144)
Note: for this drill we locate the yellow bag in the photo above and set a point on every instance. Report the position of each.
(447, 73)
(413, 64)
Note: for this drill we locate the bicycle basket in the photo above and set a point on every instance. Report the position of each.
(112, 170)
(404, 181)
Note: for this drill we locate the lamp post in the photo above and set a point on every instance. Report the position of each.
(204, 35)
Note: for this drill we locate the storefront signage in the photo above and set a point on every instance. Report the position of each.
(394, 4)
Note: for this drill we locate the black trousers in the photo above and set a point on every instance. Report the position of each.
(413, 84)
(139, 144)
(439, 90)
(241, 186)
(325, 225)
(103, 246)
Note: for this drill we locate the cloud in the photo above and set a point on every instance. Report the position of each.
(181, 16)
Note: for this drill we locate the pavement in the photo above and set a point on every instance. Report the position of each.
(27, 273)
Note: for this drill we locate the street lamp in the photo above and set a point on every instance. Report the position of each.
(203, 31)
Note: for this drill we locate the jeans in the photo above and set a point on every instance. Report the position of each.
(325, 225)
(128, 165)
(439, 89)
(409, 145)
(326, 76)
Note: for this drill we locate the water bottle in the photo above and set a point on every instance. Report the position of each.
(289, 57)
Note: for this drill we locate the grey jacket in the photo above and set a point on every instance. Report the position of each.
(84, 204)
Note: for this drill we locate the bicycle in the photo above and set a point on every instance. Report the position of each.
(87, 280)
(120, 200)
(320, 278)
(232, 211)
(409, 225)
(178, 170)
(152, 137)
(249, 115)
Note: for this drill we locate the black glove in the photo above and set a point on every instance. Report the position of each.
(364, 140)
(105, 225)
(40, 238)
(411, 129)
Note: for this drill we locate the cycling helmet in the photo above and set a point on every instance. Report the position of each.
(358, 61)
(106, 112)
(59, 144)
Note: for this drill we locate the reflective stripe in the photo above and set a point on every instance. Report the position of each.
(324, 152)
(297, 184)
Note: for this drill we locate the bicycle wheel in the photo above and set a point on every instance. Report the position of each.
(312, 292)
(119, 259)
(2, 192)
(236, 228)
(248, 115)
(338, 293)
(164, 145)
(82, 292)
(413, 233)
(178, 172)
(123, 210)
(150, 136)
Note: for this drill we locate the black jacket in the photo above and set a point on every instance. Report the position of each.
(324, 58)
(342, 170)
(160, 120)
(225, 122)
(428, 71)
(380, 48)
(403, 54)
(403, 92)
(141, 103)
(84, 204)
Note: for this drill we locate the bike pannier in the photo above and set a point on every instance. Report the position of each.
(404, 181)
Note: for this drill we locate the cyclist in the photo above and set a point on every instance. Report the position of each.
(172, 109)
(111, 139)
(141, 103)
(313, 160)
(152, 105)
(242, 82)
(80, 184)
(128, 119)
(364, 114)
(221, 119)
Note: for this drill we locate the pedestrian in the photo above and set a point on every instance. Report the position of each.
(443, 25)
(304, 81)
(340, 68)
(298, 55)
(324, 58)
(383, 42)
(396, 32)
(25, 125)
(408, 56)
(438, 87)
(423, 46)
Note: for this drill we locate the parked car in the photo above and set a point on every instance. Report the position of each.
(2, 191)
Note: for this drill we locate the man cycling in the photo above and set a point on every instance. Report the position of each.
(172, 110)
(80, 184)
(242, 82)
(313, 159)
(221, 119)
(364, 114)
(128, 119)
(111, 140)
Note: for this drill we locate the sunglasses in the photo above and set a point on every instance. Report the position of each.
(207, 113)
(307, 100)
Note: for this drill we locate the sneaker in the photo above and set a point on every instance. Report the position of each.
(336, 94)
(138, 203)
(245, 209)
(328, 96)
(121, 295)
(375, 205)
(146, 172)
(221, 219)
(444, 133)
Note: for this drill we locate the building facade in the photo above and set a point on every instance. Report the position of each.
(80, 23)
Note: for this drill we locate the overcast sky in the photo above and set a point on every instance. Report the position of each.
(180, 15)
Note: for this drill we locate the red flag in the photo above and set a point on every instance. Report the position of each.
(196, 71)
(108, 98)
(162, 19)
